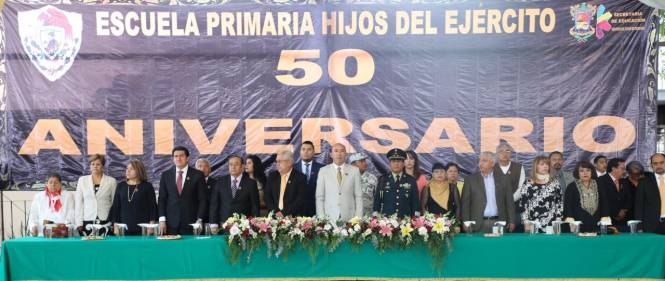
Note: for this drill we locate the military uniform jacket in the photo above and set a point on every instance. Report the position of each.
(401, 198)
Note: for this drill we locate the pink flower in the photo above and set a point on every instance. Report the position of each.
(386, 230)
(418, 222)
(263, 227)
(373, 223)
(307, 225)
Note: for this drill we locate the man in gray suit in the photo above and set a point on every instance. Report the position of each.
(338, 190)
(565, 178)
(487, 198)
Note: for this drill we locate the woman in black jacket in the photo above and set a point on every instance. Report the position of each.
(585, 201)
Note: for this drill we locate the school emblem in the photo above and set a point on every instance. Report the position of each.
(51, 38)
(583, 16)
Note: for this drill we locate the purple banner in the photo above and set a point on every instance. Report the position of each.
(447, 80)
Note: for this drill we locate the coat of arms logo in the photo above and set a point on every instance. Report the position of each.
(51, 38)
(583, 15)
(583, 18)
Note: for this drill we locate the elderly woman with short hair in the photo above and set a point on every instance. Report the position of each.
(53, 206)
(635, 171)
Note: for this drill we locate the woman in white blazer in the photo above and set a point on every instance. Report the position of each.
(94, 195)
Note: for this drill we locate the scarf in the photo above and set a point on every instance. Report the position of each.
(54, 200)
(543, 177)
(588, 196)
(440, 192)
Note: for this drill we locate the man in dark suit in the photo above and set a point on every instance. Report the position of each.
(600, 162)
(203, 165)
(286, 189)
(487, 198)
(620, 197)
(234, 193)
(182, 195)
(650, 197)
(310, 168)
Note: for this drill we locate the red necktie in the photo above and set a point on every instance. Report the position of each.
(179, 182)
(616, 184)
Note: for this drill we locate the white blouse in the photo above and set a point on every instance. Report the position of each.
(40, 211)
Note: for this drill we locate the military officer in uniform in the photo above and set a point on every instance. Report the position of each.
(397, 192)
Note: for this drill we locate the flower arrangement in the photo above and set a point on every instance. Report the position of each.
(281, 234)
(243, 236)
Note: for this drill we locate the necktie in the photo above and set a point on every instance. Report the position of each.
(661, 187)
(234, 188)
(179, 182)
(339, 176)
(396, 178)
(616, 185)
(282, 189)
(307, 171)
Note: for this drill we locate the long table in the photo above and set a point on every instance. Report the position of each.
(513, 256)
